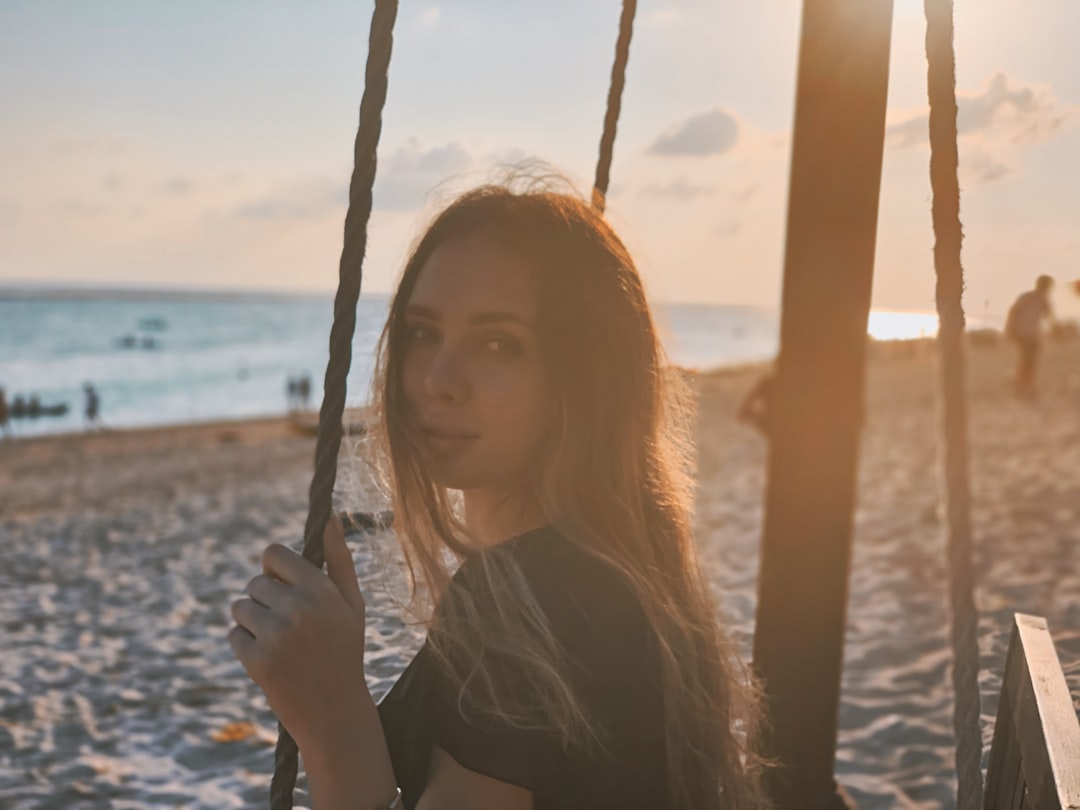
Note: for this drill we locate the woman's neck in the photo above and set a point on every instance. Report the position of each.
(492, 517)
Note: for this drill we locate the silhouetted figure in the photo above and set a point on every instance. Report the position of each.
(5, 427)
(755, 406)
(1023, 326)
(92, 408)
(303, 390)
(290, 394)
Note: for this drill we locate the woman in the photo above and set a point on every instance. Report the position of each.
(574, 658)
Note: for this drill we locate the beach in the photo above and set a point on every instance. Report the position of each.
(121, 551)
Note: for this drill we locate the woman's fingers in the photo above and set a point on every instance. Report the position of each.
(269, 592)
(283, 563)
(339, 565)
(299, 635)
(244, 646)
(258, 620)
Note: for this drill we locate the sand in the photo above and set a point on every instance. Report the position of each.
(120, 553)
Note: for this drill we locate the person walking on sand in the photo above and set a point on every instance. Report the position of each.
(92, 407)
(1024, 326)
(5, 426)
(290, 394)
(303, 390)
(574, 656)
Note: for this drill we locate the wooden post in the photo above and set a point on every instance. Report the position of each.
(816, 402)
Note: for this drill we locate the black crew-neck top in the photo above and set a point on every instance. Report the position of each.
(601, 626)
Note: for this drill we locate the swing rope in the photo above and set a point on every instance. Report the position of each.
(948, 236)
(614, 104)
(350, 272)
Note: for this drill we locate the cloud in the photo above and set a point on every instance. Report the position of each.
(745, 194)
(404, 178)
(311, 199)
(909, 132)
(429, 17)
(710, 133)
(1032, 114)
(679, 189)
(663, 16)
(177, 185)
(983, 167)
(1006, 111)
(79, 209)
(407, 174)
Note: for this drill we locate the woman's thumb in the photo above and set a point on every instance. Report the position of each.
(339, 564)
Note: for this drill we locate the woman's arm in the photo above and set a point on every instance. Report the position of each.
(451, 786)
(300, 636)
(353, 772)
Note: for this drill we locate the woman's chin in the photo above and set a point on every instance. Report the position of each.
(452, 476)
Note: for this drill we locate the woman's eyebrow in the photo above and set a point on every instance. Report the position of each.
(497, 317)
(423, 312)
(479, 318)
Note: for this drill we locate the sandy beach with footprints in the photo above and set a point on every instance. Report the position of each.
(120, 554)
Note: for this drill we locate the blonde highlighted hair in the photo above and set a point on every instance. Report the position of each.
(615, 478)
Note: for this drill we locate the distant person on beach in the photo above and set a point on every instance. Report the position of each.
(290, 394)
(303, 390)
(92, 406)
(573, 656)
(1024, 327)
(5, 416)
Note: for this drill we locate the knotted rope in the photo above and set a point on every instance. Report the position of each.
(614, 104)
(948, 235)
(350, 271)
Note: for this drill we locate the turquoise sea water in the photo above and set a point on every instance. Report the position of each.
(171, 359)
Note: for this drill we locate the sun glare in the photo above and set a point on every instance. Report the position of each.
(887, 324)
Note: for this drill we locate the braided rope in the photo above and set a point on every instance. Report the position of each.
(350, 271)
(948, 235)
(614, 104)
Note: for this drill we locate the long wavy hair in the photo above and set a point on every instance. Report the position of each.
(615, 478)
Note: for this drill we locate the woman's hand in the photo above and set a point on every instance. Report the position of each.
(300, 636)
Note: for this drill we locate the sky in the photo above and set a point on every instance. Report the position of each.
(209, 144)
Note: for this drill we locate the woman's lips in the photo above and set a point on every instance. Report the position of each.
(448, 441)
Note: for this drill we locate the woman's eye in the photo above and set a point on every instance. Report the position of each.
(507, 347)
(419, 334)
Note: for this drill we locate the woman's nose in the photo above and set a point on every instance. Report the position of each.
(446, 377)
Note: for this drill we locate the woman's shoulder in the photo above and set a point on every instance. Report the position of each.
(586, 598)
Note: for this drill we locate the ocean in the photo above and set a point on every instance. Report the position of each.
(165, 358)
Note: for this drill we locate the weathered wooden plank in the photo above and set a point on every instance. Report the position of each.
(1035, 755)
(1050, 745)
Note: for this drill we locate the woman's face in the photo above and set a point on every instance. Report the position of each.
(472, 371)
